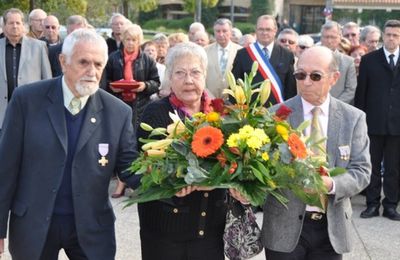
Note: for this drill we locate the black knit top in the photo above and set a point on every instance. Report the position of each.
(196, 215)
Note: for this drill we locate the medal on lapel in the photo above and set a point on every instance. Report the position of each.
(103, 150)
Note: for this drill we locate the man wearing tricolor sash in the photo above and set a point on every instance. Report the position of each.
(275, 62)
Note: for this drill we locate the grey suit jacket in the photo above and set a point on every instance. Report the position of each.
(34, 65)
(215, 80)
(345, 87)
(346, 127)
(33, 152)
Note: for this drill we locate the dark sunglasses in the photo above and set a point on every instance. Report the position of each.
(303, 47)
(51, 26)
(287, 41)
(314, 76)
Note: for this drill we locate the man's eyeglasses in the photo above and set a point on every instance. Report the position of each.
(50, 26)
(314, 76)
(284, 41)
(347, 35)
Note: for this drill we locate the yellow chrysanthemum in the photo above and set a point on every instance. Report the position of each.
(233, 140)
(199, 115)
(265, 156)
(245, 131)
(212, 117)
(283, 132)
(254, 142)
(260, 134)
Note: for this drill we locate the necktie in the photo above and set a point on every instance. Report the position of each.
(74, 106)
(316, 134)
(223, 61)
(391, 61)
(266, 52)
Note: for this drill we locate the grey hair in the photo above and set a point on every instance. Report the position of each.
(184, 50)
(351, 25)
(133, 30)
(223, 21)
(83, 35)
(13, 11)
(77, 19)
(115, 15)
(288, 31)
(267, 17)
(331, 25)
(34, 12)
(196, 26)
(367, 30)
(160, 37)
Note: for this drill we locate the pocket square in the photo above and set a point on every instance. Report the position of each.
(344, 151)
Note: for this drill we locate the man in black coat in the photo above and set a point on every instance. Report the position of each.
(378, 94)
(279, 60)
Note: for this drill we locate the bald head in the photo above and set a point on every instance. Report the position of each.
(51, 28)
(317, 71)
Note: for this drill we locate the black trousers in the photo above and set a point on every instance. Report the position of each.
(62, 235)
(156, 248)
(386, 148)
(314, 244)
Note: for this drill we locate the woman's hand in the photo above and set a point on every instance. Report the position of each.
(185, 191)
(116, 90)
(238, 196)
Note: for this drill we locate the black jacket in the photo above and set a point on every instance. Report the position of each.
(145, 70)
(378, 94)
(282, 61)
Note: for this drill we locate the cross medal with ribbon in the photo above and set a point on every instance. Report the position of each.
(103, 150)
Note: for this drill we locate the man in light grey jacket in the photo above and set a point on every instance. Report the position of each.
(302, 231)
(23, 60)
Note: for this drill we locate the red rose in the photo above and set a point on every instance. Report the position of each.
(323, 171)
(283, 112)
(218, 105)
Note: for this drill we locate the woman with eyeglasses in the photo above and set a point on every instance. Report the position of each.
(189, 225)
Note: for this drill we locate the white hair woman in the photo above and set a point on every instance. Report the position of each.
(190, 225)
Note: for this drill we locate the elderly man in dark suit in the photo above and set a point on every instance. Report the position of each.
(378, 94)
(23, 59)
(301, 231)
(275, 62)
(61, 142)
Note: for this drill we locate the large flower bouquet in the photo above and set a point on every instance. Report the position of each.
(241, 146)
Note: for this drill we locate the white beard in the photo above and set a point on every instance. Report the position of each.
(86, 89)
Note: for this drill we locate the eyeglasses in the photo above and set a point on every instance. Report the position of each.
(347, 35)
(314, 76)
(284, 41)
(303, 47)
(182, 74)
(50, 26)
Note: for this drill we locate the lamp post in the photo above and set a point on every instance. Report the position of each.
(232, 12)
(197, 14)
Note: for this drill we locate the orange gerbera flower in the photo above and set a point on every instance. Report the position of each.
(206, 141)
(296, 146)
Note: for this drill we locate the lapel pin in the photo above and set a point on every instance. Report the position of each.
(344, 152)
(93, 120)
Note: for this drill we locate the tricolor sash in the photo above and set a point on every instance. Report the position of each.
(266, 70)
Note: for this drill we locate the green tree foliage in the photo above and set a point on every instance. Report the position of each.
(23, 5)
(190, 5)
(260, 7)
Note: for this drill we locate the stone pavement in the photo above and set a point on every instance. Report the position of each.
(377, 238)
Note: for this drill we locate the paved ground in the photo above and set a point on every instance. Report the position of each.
(377, 238)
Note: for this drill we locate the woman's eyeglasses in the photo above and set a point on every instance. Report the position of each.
(284, 41)
(314, 76)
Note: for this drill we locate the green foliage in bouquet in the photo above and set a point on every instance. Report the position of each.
(241, 146)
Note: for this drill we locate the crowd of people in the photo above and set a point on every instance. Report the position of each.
(66, 130)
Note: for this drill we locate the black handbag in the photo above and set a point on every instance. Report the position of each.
(242, 236)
